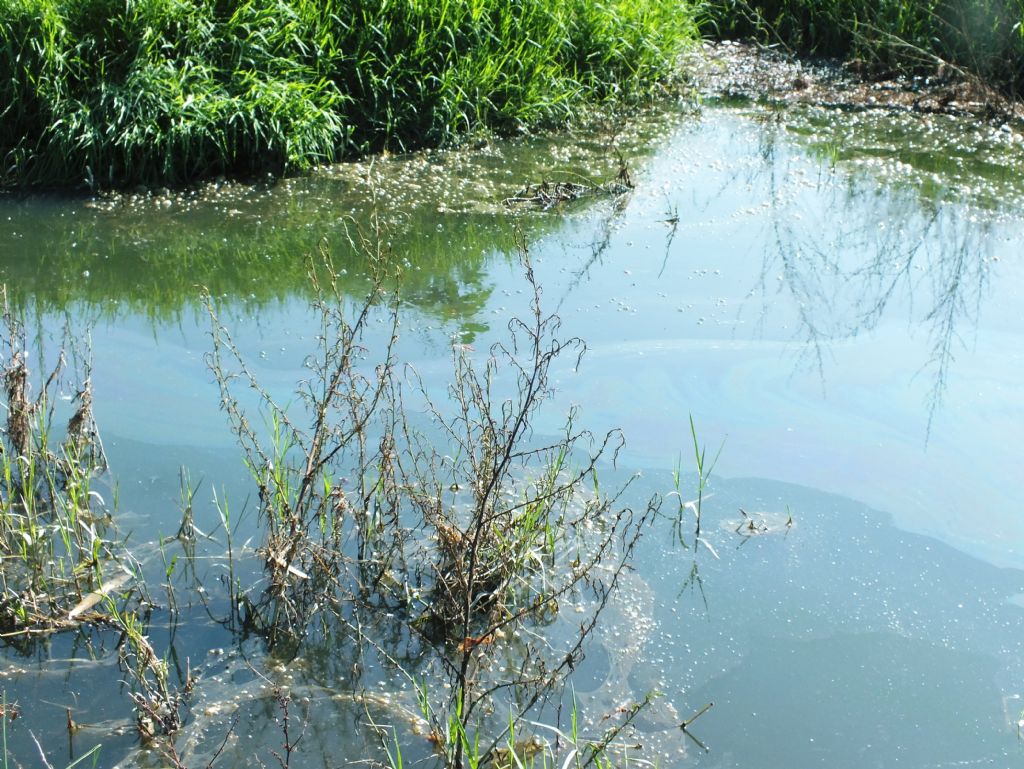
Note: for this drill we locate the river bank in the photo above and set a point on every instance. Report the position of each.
(98, 96)
(978, 41)
(730, 70)
(103, 95)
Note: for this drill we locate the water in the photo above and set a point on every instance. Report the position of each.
(834, 300)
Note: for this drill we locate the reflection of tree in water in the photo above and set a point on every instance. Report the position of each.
(872, 252)
(609, 220)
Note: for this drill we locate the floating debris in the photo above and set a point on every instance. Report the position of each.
(756, 523)
(547, 195)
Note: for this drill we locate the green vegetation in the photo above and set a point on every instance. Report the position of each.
(982, 37)
(57, 557)
(62, 566)
(106, 93)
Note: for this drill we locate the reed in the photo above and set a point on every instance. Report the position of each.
(106, 93)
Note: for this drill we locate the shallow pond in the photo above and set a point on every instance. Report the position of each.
(834, 298)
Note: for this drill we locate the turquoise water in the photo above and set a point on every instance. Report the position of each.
(834, 300)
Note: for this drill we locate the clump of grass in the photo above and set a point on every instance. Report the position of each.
(104, 93)
(61, 566)
(59, 556)
(984, 38)
(452, 545)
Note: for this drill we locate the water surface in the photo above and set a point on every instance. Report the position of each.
(833, 296)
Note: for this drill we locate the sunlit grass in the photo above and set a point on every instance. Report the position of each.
(104, 93)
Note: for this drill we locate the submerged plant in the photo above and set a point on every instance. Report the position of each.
(696, 505)
(305, 511)
(703, 471)
(63, 567)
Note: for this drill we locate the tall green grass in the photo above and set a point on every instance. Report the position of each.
(118, 92)
(983, 37)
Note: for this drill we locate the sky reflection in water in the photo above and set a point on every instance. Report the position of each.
(842, 314)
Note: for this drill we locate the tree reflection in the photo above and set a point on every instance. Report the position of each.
(862, 251)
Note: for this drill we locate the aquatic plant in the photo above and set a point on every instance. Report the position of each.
(546, 195)
(449, 539)
(525, 529)
(680, 527)
(60, 559)
(103, 94)
(63, 566)
(9, 711)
